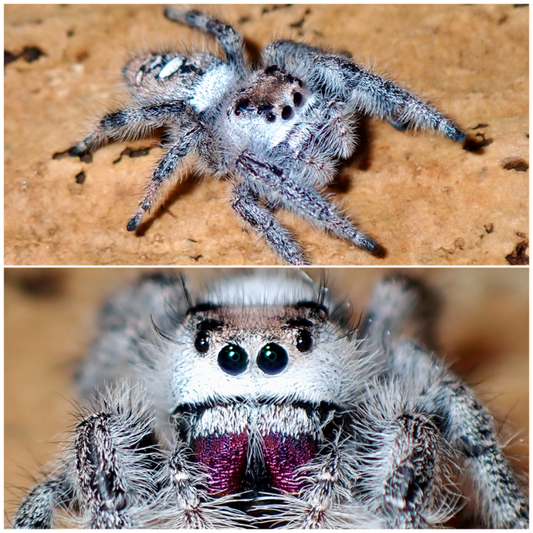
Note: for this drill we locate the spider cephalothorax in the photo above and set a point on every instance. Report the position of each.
(277, 132)
(256, 403)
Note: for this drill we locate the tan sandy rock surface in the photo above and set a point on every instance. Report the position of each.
(426, 199)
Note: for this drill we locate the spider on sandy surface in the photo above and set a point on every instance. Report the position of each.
(254, 402)
(277, 133)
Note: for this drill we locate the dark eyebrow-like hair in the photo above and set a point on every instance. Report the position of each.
(202, 307)
(299, 323)
(312, 306)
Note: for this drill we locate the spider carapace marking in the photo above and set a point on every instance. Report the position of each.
(277, 133)
(254, 402)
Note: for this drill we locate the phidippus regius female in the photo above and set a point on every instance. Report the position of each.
(256, 402)
(277, 132)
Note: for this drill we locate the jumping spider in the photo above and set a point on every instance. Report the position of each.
(256, 403)
(277, 133)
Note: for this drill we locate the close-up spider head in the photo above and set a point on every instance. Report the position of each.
(269, 399)
(271, 350)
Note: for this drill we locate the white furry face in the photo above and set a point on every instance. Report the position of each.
(252, 339)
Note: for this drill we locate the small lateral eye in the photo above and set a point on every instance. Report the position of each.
(304, 341)
(286, 112)
(270, 117)
(201, 343)
(298, 99)
(241, 105)
(271, 69)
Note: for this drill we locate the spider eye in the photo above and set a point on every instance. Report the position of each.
(241, 105)
(304, 341)
(286, 112)
(298, 99)
(233, 359)
(271, 69)
(201, 343)
(272, 359)
(270, 117)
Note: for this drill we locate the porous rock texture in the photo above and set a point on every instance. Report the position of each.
(424, 198)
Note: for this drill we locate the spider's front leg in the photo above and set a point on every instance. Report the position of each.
(246, 204)
(402, 458)
(302, 199)
(186, 143)
(129, 124)
(373, 95)
(468, 428)
(37, 510)
(368, 93)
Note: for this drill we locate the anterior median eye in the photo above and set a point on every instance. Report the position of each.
(233, 359)
(272, 358)
(286, 112)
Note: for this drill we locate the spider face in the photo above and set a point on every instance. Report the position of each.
(277, 132)
(270, 107)
(261, 354)
(253, 402)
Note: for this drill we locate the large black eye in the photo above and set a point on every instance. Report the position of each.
(233, 359)
(304, 341)
(286, 112)
(201, 343)
(297, 98)
(272, 359)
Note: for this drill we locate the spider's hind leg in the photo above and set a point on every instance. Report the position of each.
(231, 42)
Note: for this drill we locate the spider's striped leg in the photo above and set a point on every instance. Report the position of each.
(231, 42)
(129, 124)
(303, 200)
(246, 204)
(367, 92)
(166, 167)
(37, 511)
(116, 458)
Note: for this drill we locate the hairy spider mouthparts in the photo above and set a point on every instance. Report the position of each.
(277, 133)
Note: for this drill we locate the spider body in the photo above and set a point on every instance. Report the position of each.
(255, 403)
(277, 133)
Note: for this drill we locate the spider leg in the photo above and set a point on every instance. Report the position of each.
(303, 200)
(37, 509)
(465, 424)
(231, 42)
(128, 124)
(246, 204)
(402, 463)
(115, 456)
(164, 170)
(336, 74)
